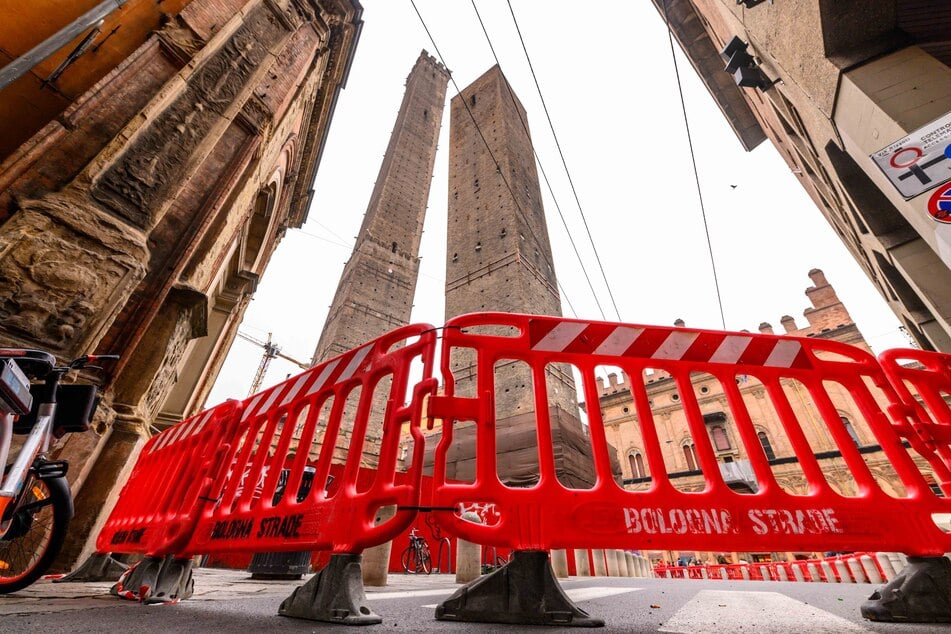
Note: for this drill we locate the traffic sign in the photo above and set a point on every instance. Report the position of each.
(919, 161)
(939, 205)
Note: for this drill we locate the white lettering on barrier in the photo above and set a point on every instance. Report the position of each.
(812, 521)
(714, 521)
(678, 521)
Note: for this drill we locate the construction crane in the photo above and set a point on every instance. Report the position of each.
(271, 351)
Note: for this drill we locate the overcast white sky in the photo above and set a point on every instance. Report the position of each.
(607, 77)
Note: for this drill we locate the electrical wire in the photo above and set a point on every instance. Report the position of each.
(540, 166)
(693, 161)
(485, 141)
(564, 163)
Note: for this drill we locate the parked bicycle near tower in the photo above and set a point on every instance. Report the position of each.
(35, 500)
(416, 558)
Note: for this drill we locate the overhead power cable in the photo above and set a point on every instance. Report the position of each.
(693, 162)
(488, 148)
(564, 163)
(541, 167)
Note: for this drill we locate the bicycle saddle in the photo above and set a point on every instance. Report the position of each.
(33, 363)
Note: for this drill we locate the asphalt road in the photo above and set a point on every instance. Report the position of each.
(229, 601)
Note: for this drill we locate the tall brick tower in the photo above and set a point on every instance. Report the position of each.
(499, 259)
(375, 293)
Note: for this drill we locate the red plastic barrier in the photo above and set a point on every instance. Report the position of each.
(158, 507)
(923, 418)
(550, 515)
(339, 517)
(234, 481)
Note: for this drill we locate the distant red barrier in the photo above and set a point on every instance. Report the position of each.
(549, 515)
(172, 480)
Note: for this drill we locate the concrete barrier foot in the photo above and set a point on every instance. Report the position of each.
(137, 582)
(921, 593)
(522, 592)
(334, 594)
(174, 582)
(97, 567)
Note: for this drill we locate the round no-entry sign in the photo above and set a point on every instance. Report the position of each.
(939, 205)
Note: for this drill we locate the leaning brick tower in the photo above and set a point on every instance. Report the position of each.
(375, 293)
(499, 259)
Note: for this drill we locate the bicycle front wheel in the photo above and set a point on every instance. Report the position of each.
(424, 562)
(408, 559)
(35, 534)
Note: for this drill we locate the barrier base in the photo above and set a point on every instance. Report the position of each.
(156, 580)
(522, 592)
(334, 595)
(921, 593)
(97, 567)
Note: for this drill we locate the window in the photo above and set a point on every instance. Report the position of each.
(767, 447)
(690, 453)
(720, 440)
(636, 462)
(851, 430)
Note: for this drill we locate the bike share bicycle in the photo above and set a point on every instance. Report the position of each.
(35, 500)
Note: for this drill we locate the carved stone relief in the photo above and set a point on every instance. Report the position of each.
(64, 273)
(144, 177)
(179, 39)
(189, 309)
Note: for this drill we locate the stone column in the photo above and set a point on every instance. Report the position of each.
(582, 567)
(611, 556)
(871, 570)
(629, 560)
(855, 568)
(468, 555)
(886, 563)
(600, 569)
(559, 563)
(376, 560)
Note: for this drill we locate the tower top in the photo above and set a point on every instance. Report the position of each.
(429, 60)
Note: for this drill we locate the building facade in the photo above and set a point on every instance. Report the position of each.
(145, 192)
(827, 318)
(855, 95)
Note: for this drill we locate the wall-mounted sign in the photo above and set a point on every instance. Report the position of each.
(919, 162)
(939, 205)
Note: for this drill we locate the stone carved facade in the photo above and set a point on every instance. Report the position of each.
(139, 219)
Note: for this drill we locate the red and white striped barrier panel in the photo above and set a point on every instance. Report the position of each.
(550, 515)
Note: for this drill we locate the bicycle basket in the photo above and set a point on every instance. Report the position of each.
(75, 405)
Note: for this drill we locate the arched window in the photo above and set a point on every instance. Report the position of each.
(636, 462)
(690, 453)
(721, 441)
(767, 447)
(851, 430)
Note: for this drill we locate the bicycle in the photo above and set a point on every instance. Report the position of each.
(416, 557)
(35, 501)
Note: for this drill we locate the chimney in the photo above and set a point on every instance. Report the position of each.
(766, 328)
(789, 324)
